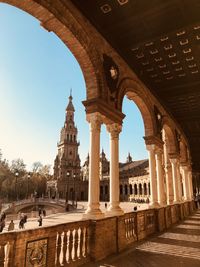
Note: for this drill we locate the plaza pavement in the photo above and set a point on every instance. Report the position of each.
(59, 218)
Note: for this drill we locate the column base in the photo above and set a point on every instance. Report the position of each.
(114, 211)
(93, 214)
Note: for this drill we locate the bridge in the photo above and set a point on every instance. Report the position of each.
(18, 206)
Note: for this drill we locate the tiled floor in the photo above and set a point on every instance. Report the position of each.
(178, 247)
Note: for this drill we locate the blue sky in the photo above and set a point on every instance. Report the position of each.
(36, 73)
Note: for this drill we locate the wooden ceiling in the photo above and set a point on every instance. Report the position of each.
(160, 40)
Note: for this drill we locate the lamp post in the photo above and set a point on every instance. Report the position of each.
(28, 178)
(66, 188)
(74, 192)
(16, 191)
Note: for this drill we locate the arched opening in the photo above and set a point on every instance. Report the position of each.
(130, 189)
(140, 189)
(65, 39)
(145, 189)
(135, 189)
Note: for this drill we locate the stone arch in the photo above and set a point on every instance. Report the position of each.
(170, 135)
(59, 18)
(183, 151)
(135, 93)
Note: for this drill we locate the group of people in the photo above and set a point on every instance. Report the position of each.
(22, 221)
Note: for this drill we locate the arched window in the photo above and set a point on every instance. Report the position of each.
(126, 189)
(131, 189)
(140, 189)
(121, 189)
(149, 189)
(74, 138)
(135, 189)
(101, 190)
(106, 190)
(145, 189)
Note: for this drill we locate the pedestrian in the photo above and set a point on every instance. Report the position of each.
(3, 216)
(2, 225)
(21, 223)
(40, 220)
(11, 226)
(106, 205)
(39, 212)
(44, 212)
(196, 200)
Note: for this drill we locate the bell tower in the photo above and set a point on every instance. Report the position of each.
(67, 162)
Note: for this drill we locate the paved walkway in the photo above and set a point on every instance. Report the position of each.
(72, 216)
(178, 247)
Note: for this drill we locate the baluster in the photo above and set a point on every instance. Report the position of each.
(2, 255)
(76, 245)
(132, 233)
(64, 248)
(81, 243)
(58, 249)
(126, 231)
(70, 246)
(86, 242)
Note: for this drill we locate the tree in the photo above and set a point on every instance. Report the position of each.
(36, 166)
(18, 165)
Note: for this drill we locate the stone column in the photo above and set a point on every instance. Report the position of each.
(185, 182)
(93, 211)
(168, 172)
(175, 179)
(190, 184)
(152, 174)
(160, 178)
(179, 181)
(114, 208)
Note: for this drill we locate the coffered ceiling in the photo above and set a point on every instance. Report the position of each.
(160, 40)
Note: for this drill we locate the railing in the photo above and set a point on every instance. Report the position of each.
(72, 244)
(76, 243)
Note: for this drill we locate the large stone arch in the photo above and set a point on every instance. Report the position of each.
(134, 92)
(59, 18)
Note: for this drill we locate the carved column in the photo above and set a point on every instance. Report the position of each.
(114, 208)
(174, 163)
(93, 211)
(160, 178)
(152, 174)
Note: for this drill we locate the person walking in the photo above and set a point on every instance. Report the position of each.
(40, 220)
(11, 226)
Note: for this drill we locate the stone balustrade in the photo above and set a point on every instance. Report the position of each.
(76, 243)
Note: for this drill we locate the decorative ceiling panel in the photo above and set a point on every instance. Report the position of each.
(160, 40)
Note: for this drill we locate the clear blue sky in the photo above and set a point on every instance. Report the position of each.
(36, 73)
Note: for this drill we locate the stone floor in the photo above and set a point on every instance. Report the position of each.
(178, 247)
(76, 215)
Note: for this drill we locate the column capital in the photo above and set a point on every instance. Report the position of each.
(114, 129)
(95, 119)
(153, 140)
